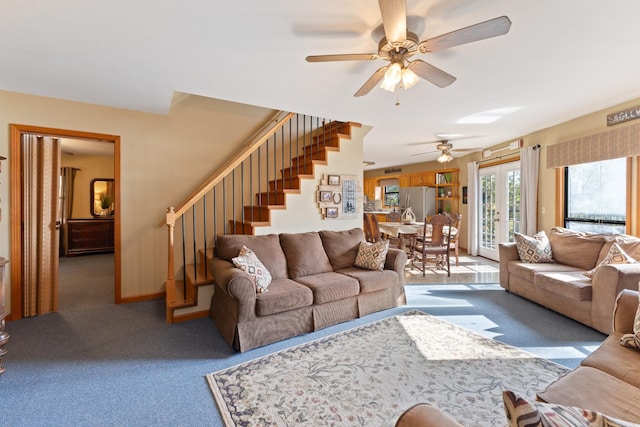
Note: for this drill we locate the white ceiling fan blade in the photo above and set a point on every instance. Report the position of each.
(373, 81)
(430, 73)
(343, 57)
(394, 20)
(483, 30)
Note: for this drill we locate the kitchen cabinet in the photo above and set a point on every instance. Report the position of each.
(422, 179)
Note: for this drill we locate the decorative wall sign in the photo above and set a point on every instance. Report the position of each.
(339, 196)
(623, 116)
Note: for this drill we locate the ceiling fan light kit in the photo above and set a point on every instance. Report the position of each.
(399, 45)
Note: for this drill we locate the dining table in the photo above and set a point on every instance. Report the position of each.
(403, 231)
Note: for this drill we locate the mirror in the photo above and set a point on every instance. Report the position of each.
(102, 197)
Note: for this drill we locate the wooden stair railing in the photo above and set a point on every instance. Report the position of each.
(240, 195)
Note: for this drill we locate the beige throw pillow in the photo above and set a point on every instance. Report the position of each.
(615, 256)
(372, 256)
(536, 249)
(249, 262)
(633, 340)
(522, 413)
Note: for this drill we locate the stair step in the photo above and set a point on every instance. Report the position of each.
(198, 277)
(285, 184)
(257, 213)
(320, 156)
(271, 198)
(239, 227)
(287, 173)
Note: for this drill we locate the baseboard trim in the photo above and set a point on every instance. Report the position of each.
(140, 298)
(190, 316)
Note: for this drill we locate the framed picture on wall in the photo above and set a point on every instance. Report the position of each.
(464, 195)
(332, 212)
(326, 196)
(333, 180)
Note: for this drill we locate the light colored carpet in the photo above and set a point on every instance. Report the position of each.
(369, 375)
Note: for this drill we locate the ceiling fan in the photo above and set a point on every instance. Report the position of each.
(399, 45)
(445, 147)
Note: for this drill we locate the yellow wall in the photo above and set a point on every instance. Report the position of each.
(163, 158)
(583, 126)
(91, 167)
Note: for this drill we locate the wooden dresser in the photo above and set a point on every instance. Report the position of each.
(86, 236)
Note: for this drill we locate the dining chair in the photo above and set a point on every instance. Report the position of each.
(372, 232)
(456, 220)
(434, 244)
(394, 216)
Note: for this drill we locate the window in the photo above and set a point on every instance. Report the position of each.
(392, 195)
(596, 196)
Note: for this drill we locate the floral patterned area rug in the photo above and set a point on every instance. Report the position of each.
(369, 375)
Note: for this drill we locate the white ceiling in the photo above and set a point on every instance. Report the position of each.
(560, 60)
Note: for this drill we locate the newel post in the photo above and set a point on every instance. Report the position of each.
(170, 284)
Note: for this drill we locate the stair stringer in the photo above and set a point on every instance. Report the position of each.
(302, 212)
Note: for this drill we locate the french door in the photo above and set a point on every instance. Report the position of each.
(499, 206)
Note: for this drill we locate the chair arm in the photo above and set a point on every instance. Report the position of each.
(608, 281)
(396, 260)
(236, 284)
(425, 415)
(507, 252)
(625, 310)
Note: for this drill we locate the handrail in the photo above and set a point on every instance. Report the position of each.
(266, 131)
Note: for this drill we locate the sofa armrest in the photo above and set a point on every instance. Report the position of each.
(396, 260)
(507, 252)
(425, 415)
(607, 283)
(625, 310)
(236, 284)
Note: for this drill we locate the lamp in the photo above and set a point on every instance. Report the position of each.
(445, 157)
(409, 78)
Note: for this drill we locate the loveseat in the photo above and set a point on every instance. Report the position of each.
(562, 285)
(606, 385)
(608, 380)
(314, 284)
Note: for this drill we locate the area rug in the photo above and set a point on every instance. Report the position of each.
(369, 375)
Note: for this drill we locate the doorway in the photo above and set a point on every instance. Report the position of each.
(499, 207)
(17, 216)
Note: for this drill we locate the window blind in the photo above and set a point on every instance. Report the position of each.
(611, 144)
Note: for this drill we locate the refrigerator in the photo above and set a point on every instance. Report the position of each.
(422, 200)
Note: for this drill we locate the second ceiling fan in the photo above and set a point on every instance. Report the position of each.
(399, 45)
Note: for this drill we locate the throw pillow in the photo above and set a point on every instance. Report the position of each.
(522, 413)
(249, 262)
(536, 249)
(615, 256)
(633, 340)
(371, 256)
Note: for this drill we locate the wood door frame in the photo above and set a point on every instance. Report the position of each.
(15, 200)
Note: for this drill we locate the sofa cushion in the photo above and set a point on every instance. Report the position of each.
(575, 248)
(633, 339)
(534, 249)
(249, 262)
(569, 284)
(327, 287)
(615, 256)
(305, 254)
(520, 413)
(612, 396)
(283, 295)
(527, 270)
(620, 362)
(341, 246)
(371, 256)
(629, 244)
(267, 249)
(372, 280)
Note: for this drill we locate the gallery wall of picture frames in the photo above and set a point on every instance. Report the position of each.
(339, 196)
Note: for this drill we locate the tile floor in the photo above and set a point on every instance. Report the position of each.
(471, 269)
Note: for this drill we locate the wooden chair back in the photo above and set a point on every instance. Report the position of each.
(371, 228)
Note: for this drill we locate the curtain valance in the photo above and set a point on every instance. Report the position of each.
(388, 182)
(611, 144)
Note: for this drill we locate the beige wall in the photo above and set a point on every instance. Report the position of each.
(163, 158)
(579, 127)
(91, 167)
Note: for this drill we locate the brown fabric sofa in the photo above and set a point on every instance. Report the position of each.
(608, 380)
(562, 286)
(315, 285)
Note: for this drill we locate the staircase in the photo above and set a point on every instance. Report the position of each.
(239, 197)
